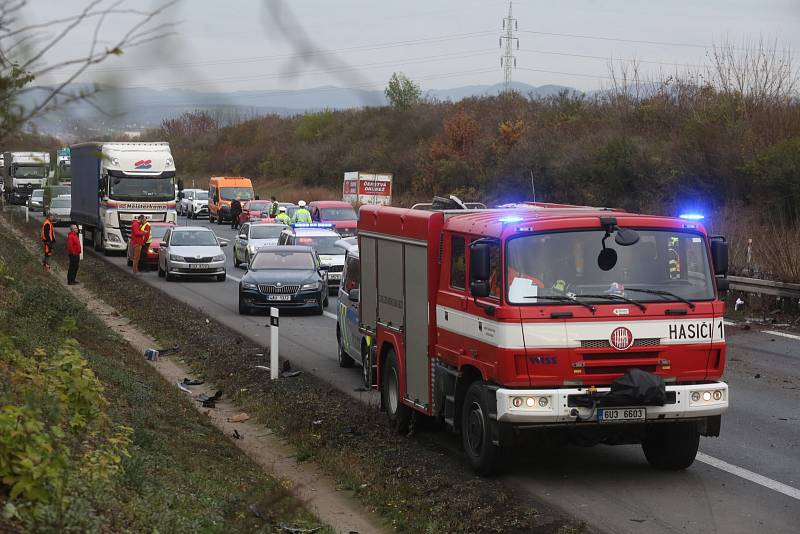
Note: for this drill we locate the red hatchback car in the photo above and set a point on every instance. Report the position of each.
(149, 259)
(336, 212)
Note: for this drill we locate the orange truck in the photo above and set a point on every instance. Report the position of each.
(222, 190)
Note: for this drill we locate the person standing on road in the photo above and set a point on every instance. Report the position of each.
(301, 215)
(74, 252)
(137, 241)
(48, 236)
(274, 208)
(236, 211)
(146, 240)
(283, 217)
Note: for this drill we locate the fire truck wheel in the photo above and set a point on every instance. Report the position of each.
(399, 414)
(366, 365)
(344, 359)
(671, 446)
(484, 456)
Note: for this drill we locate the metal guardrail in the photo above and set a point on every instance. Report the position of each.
(765, 287)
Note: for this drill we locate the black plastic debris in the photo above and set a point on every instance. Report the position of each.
(209, 402)
(637, 387)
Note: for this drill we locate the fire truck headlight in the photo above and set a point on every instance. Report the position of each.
(543, 402)
(695, 396)
(516, 402)
(717, 395)
(530, 402)
(706, 396)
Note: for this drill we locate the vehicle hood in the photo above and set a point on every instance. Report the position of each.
(195, 252)
(60, 211)
(259, 243)
(283, 276)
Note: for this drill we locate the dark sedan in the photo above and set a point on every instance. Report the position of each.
(286, 277)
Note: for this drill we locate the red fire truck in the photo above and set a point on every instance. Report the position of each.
(572, 321)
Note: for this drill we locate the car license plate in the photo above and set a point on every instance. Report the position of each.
(197, 266)
(279, 297)
(621, 415)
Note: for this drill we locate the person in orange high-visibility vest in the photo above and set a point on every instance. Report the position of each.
(48, 237)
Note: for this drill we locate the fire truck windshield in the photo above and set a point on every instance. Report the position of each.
(673, 263)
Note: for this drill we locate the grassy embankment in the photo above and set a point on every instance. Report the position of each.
(418, 484)
(92, 439)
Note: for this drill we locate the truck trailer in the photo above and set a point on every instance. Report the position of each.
(547, 322)
(113, 183)
(23, 172)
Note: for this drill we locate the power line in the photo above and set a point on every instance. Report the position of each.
(567, 73)
(608, 58)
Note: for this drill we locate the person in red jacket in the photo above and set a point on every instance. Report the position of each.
(137, 241)
(74, 252)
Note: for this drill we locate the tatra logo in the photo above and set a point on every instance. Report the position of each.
(621, 338)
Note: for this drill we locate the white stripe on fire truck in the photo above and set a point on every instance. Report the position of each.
(558, 334)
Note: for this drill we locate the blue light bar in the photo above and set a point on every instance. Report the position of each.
(510, 219)
(692, 216)
(312, 225)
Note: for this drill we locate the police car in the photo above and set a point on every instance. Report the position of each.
(322, 238)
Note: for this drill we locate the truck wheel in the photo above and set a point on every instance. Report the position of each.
(484, 456)
(97, 239)
(344, 359)
(671, 446)
(366, 366)
(398, 413)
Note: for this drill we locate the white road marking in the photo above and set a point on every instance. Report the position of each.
(331, 315)
(741, 472)
(781, 334)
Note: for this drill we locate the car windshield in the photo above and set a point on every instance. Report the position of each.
(158, 232)
(257, 205)
(30, 172)
(189, 238)
(337, 214)
(266, 232)
(322, 244)
(61, 203)
(282, 260)
(564, 264)
(142, 189)
(37, 194)
(201, 195)
(230, 193)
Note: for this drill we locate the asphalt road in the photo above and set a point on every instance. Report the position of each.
(745, 481)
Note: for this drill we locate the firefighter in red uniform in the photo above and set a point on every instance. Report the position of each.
(137, 240)
(48, 237)
(74, 252)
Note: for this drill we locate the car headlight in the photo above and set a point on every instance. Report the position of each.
(114, 238)
(249, 285)
(311, 286)
(175, 257)
(218, 257)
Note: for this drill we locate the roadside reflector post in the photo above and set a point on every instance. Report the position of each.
(80, 238)
(26, 213)
(273, 343)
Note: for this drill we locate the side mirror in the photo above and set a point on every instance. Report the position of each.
(479, 288)
(719, 255)
(479, 263)
(242, 236)
(354, 294)
(223, 243)
(723, 284)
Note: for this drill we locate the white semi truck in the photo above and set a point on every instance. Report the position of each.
(113, 183)
(23, 172)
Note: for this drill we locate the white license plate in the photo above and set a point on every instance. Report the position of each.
(279, 297)
(198, 266)
(621, 415)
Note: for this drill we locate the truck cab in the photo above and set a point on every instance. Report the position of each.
(24, 172)
(587, 324)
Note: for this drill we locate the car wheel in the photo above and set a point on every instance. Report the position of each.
(325, 304)
(236, 262)
(221, 277)
(219, 220)
(672, 446)
(210, 217)
(243, 308)
(161, 272)
(130, 262)
(320, 309)
(399, 414)
(485, 457)
(344, 359)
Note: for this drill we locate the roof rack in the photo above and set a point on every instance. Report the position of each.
(446, 204)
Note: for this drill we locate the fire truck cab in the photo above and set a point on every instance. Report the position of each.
(568, 321)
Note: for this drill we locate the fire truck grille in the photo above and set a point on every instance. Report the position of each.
(270, 289)
(606, 344)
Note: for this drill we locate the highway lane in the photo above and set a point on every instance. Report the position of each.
(611, 488)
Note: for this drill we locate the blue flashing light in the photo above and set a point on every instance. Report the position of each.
(312, 225)
(692, 216)
(510, 219)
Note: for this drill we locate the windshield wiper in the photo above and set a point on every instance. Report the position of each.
(662, 293)
(614, 296)
(571, 300)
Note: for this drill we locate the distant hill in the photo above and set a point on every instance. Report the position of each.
(137, 108)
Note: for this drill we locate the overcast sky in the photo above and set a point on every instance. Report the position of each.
(238, 45)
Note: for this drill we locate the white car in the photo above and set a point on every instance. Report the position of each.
(252, 238)
(322, 238)
(193, 203)
(36, 200)
(191, 251)
(60, 210)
